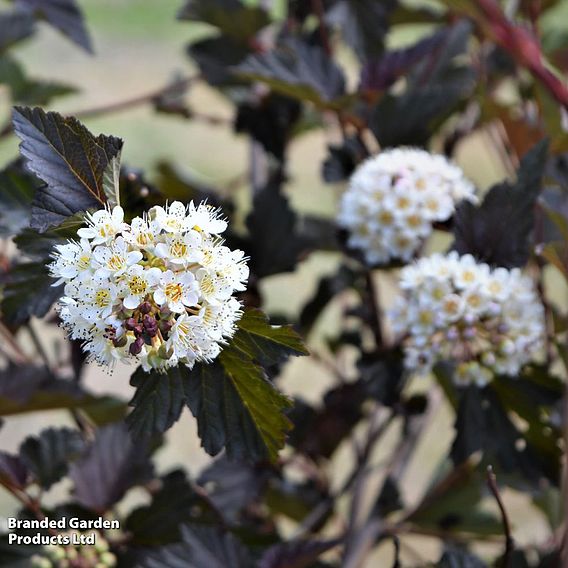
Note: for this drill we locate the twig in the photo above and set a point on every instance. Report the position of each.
(21, 357)
(509, 542)
(38, 346)
(374, 303)
(317, 7)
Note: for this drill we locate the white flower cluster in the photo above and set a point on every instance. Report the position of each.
(455, 309)
(393, 199)
(159, 290)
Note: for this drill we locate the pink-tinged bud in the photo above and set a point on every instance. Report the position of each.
(145, 307)
(130, 324)
(165, 326)
(136, 346)
(150, 325)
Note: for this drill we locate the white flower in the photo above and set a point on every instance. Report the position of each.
(137, 284)
(71, 260)
(158, 291)
(393, 199)
(97, 298)
(114, 259)
(103, 225)
(205, 218)
(181, 248)
(457, 310)
(173, 218)
(177, 291)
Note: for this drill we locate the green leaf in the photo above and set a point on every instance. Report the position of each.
(27, 290)
(48, 455)
(236, 407)
(265, 343)
(231, 17)
(299, 70)
(498, 231)
(64, 15)
(71, 161)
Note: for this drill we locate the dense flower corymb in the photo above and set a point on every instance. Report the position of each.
(158, 290)
(393, 199)
(455, 309)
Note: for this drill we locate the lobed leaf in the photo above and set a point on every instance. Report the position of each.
(15, 26)
(112, 465)
(47, 456)
(64, 15)
(199, 547)
(236, 407)
(68, 158)
(498, 231)
(299, 70)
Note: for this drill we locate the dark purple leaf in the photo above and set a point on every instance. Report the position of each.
(64, 15)
(48, 455)
(111, 466)
(380, 73)
(498, 231)
(297, 69)
(69, 159)
(13, 471)
(201, 547)
(299, 554)
(14, 26)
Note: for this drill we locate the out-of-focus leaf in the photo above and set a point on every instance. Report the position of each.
(453, 504)
(216, 56)
(27, 388)
(64, 15)
(383, 376)
(72, 162)
(454, 557)
(271, 223)
(557, 254)
(27, 291)
(200, 547)
(233, 18)
(270, 122)
(319, 432)
(16, 556)
(28, 91)
(342, 160)
(17, 189)
(298, 554)
(483, 425)
(379, 73)
(363, 24)
(232, 486)
(15, 26)
(13, 471)
(328, 288)
(498, 231)
(48, 455)
(299, 70)
(434, 88)
(111, 466)
(175, 503)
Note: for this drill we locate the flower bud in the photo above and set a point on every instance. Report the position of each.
(136, 346)
(120, 341)
(150, 325)
(145, 307)
(130, 324)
